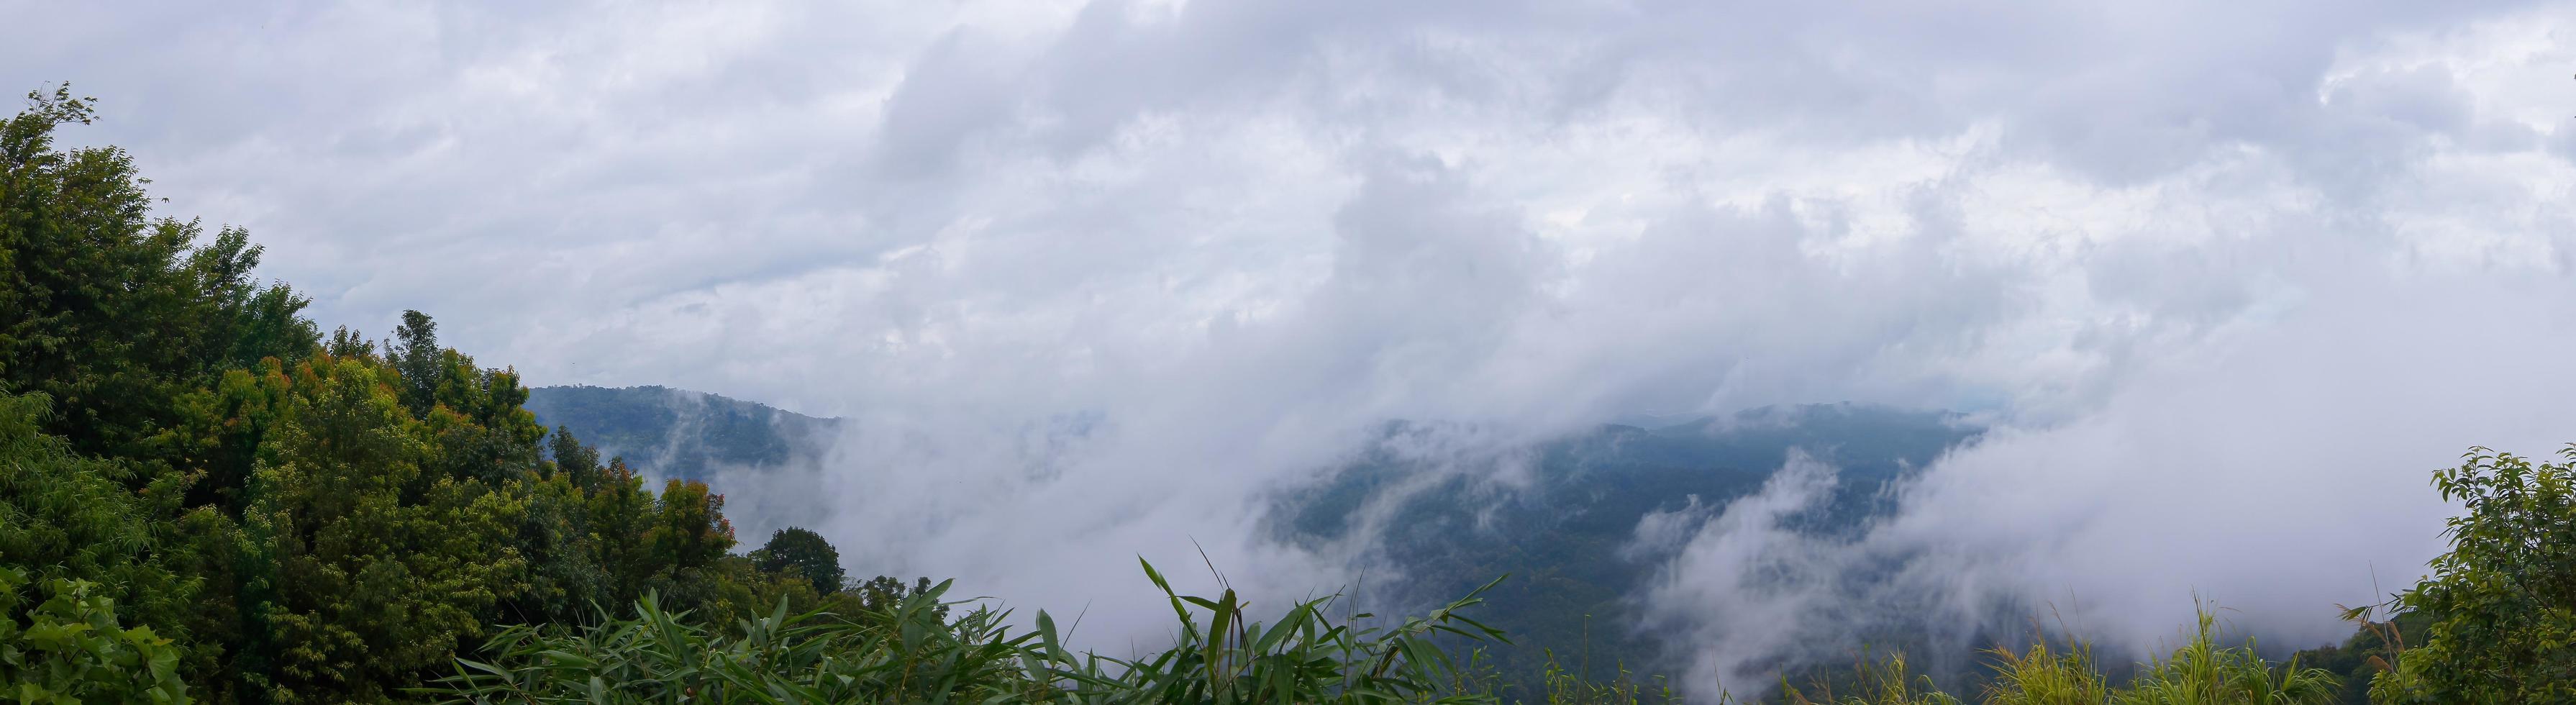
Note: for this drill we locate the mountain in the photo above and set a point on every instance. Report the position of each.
(676, 433)
(1557, 516)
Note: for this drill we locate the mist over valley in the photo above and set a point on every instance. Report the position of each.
(1220, 352)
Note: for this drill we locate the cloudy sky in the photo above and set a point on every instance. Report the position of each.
(2231, 275)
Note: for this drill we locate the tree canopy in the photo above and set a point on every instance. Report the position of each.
(2501, 604)
(265, 514)
(802, 550)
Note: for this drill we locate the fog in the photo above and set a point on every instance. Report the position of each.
(2273, 475)
(1090, 281)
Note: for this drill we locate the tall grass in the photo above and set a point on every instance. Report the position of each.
(2201, 672)
(2043, 676)
(1878, 681)
(903, 654)
(907, 652)
(1558, 685)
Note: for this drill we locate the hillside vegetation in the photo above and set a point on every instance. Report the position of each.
(1556, 516)
(204, 497)
(674, 433)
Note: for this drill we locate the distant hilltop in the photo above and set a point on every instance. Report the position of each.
(677, 433)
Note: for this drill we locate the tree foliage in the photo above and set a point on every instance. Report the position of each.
(379, 567)
(904, 651)
(884, 591)
(802, 550)
(73, 649)
(107, 310)
(302, 519)
(2502, 601)
(64, 517)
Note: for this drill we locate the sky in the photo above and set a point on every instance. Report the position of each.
(1089, 278)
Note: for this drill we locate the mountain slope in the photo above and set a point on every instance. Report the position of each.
(1562, 517)
(1559, 517)
(676, 433)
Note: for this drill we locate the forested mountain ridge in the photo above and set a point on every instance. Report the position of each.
(676, 433)
(1560, 516)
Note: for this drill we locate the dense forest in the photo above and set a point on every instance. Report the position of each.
(204, 497)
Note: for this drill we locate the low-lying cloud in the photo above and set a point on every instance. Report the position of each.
(2280, 471)
(1090, 280)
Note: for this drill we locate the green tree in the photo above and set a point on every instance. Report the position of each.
(804, 551)
(689, 528)
(883, 592)
(2502, 601)
(567, 575)
(107, 310)
(687, 539)
(617, 515)
(255, 322)
(375, 567)
(415, 354)
(574, 460)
